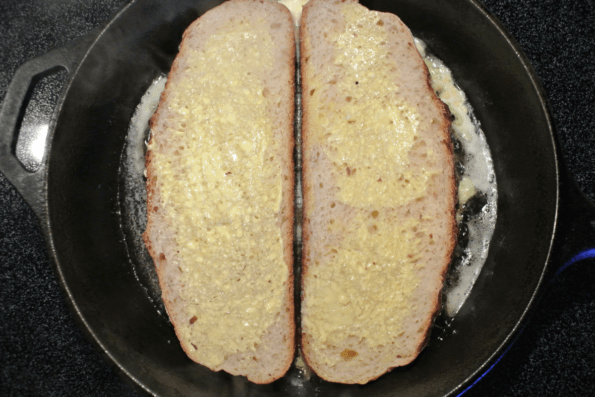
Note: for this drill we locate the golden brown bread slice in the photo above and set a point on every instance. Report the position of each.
(220, 190)
(379, 193)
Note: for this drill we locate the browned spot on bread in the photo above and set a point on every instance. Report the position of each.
(193, 319)
(348, 354)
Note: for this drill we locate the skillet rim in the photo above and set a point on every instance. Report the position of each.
(541, 94)
(544, 104)
(47, 227)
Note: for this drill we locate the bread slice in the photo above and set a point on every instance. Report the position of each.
(220, 193)
(379, 193)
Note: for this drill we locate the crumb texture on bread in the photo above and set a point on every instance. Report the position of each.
(379, 193)
(220, 190)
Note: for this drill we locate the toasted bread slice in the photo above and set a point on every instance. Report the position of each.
(379, 193)
(220, 186)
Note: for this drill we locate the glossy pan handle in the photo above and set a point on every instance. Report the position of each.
(31, 185)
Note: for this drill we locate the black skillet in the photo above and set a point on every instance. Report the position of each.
(75, 195)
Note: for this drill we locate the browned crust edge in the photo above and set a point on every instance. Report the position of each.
(447, 141)
(288, 191)
(447, 117)
(305, 172)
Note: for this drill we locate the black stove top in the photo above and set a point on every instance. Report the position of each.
(43, 352)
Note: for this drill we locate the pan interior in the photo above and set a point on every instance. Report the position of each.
(90, 242)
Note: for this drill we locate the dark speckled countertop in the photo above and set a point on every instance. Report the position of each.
(44, 353)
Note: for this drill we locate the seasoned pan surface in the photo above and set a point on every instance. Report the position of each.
(82, 200)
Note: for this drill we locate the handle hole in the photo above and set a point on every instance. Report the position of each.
(35, 116)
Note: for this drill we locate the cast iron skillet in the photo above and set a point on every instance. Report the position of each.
(75, 195)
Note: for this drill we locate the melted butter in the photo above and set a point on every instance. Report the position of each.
(364, 288)
(479, 176)
(466, 190)
(221, 193)
(370, 132)
(295, 7)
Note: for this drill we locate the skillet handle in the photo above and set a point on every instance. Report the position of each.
(575, 232)
(31, 185)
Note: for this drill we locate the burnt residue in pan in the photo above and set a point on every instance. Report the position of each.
(477, 188)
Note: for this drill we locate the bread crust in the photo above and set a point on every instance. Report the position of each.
(307, 231)
(287, 346)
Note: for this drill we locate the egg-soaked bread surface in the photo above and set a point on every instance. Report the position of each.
(220, 190)
(379, 193)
